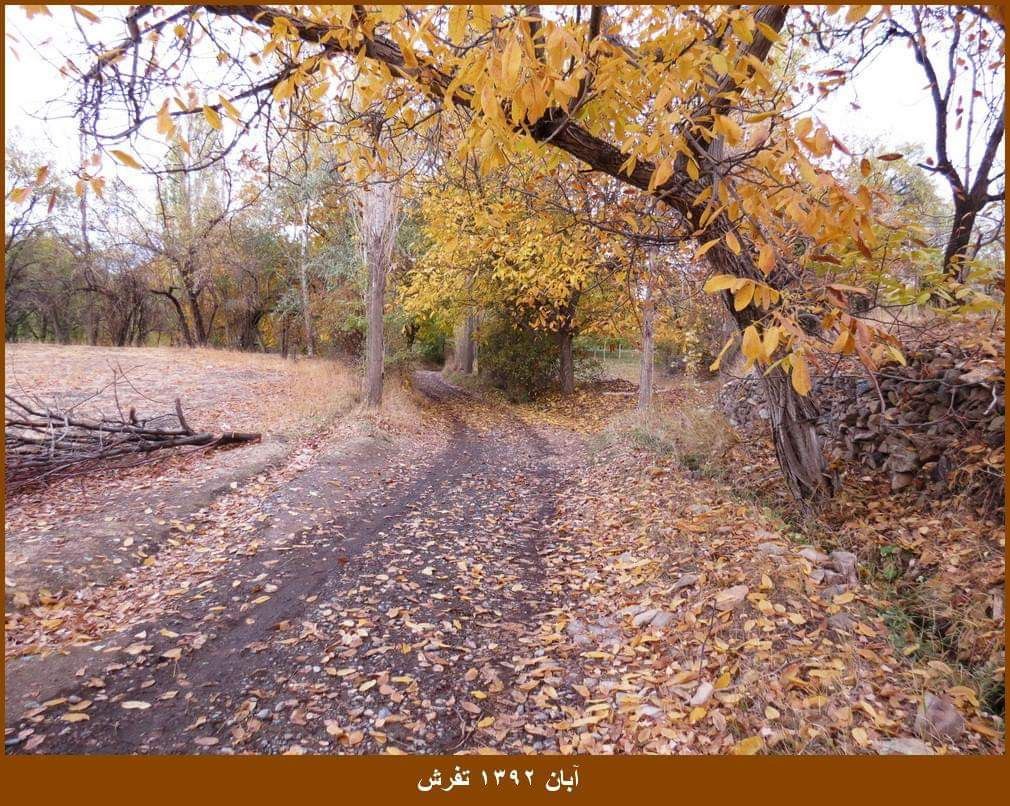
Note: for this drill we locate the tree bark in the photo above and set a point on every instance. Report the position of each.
(181, 314)
(956, 253)
(198, 334)
(645, 373)
(87, 257)
(793, 416)
(379, 221)
(283, 345)
(303, 281)
(566, 363)
(374, 338)
(464, 347)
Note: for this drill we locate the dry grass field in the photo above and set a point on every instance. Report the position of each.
(86, 529)
(220, 390)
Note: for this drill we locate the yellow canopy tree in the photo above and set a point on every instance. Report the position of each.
(684, 103)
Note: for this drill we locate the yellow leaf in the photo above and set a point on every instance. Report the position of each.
(768, 32)
(19, 195)
(135, 705)
(85, 13)
(212, 117)
(766, 258)
(692, 170)
(284, 90)
(705, 247)
(457, 24)
(749, 746)
(859, 734)
(229, 107)
(729, 128)
(482, 20)
(856, 13)
(721, 282)
(844, 598)
(126, 159)
(733, 243)
(771, 342)
(663, 172)
(743, 296)
(718, 359)
(800, 374)
(841, 343)
(742, 31)
(512, 61)
(165, 124)
(750, 346)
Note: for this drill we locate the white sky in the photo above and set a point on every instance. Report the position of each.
(894, 104)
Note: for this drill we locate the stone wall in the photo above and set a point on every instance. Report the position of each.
(935, 425)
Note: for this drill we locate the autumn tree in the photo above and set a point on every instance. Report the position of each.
(492, 247)
(685, 104)
(959, 53)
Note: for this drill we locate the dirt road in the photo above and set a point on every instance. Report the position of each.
(384, 605)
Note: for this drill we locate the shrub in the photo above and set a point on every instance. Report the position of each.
(697, 436)
(431, 347)
(522, 362)
(427, 338)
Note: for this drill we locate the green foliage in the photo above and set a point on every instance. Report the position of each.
(520, 361)
(429, 340)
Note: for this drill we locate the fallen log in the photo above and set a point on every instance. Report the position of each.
(44, 444)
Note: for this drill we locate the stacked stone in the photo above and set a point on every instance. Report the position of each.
(921, 424)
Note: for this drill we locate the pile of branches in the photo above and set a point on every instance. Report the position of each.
(45, 443)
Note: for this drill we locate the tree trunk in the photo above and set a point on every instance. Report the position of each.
(464, 347)
(793, 419)
(566, 364)
(793, 416)
(183, 323)
(374, 341)
(956, 253)
(379, 222)
(303, 281)
(187, 273)
(88, 263)
(199, 332)
(645, 372)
